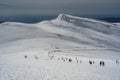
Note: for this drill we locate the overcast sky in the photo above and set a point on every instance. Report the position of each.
(80, 7)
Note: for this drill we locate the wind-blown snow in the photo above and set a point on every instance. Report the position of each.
(43, 51)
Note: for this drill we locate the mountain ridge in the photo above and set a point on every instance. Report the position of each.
(81, 31)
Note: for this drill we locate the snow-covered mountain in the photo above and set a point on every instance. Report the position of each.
(42, 50)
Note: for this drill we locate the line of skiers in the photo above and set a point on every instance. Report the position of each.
(102, 63)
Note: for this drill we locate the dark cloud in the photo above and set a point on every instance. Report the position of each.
(92, 7)
(6, 6)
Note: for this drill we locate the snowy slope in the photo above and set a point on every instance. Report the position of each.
(42, 51)
(117, 24)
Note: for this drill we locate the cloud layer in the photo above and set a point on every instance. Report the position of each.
(83, 7)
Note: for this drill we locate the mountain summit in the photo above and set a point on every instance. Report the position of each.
(79, 20)
(84, 31)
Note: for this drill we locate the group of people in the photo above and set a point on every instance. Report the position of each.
(102, 63)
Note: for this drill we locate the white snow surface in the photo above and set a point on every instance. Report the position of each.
(65, 48)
